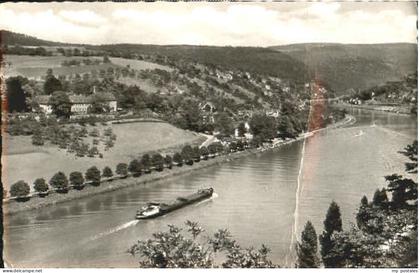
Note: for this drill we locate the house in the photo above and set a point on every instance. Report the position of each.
(79, 103)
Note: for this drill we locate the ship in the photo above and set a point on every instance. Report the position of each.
(154, 209)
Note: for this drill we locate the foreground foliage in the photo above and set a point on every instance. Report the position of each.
(192, 249)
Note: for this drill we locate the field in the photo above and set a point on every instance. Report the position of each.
(36, 66)
(23, 161)
(138, 64)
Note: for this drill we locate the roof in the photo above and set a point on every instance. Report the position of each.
(42, 99)
(79, 99)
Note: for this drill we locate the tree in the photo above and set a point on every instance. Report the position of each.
(178, 160)
(241, 129)
(93, 151)
(121, 169)
(16, 97)
(94, 175)
(37, 137)
(204, 152)
(191, 249)
(168, 161)
(59, 182)
(51, 85)
(107, 172)
(196, 154)
(60, 104)
(20, 189)
(40, 186)
(380, 198)
(224, 124)
(263, 126)
(187, 153)
(363, 214)
(307, 248)
(146, 163)
(157, 162)
(77, 180)
(403, 190)
(134, 167)
(411, 151)
(332, 224)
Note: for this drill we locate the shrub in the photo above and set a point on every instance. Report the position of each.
(20, 189)
(93, 174)
(107, 172)
(77, 180)
(122, 169)
(94, 133)
(37, 138)
(40, 185)
(93, 151)
(59, 181)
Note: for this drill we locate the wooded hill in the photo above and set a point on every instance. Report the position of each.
(355, 66)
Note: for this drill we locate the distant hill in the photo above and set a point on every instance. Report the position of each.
(355, 66)
(252, 59)
(11, 38)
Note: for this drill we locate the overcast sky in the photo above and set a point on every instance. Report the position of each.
(200, 23)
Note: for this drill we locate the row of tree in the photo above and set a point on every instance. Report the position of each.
(60, 182)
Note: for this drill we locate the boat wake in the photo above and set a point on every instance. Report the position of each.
(294, 237)
(214, 195)
(113, 230)
(360, 133)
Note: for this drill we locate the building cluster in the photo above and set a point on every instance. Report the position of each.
(80, 104)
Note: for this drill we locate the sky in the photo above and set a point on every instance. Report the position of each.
(221, 24)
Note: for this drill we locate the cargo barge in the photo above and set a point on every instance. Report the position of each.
(152, 210)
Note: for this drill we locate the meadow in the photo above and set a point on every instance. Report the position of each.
(23, 161)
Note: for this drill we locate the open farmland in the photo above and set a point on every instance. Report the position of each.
(22, 160)
(36, 66)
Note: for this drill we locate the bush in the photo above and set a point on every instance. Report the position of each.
(93, 151)
(107, 172)
(178, 160)
(77, 180)
(94, 175)
(40, 185)
(59, 182)
(122, 169)
(37, 138)
(20, 189)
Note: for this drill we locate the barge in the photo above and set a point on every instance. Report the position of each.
(153, 209)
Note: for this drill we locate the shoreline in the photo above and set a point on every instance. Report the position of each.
(12, 207)
(399, 110)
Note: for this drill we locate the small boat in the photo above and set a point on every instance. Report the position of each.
(152, 210)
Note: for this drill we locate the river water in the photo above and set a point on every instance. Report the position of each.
(256, 199)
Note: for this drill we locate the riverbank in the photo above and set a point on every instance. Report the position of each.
(53, 198)
(397, 109)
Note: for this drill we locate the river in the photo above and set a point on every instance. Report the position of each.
(256, 199)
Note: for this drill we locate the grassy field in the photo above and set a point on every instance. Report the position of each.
(35, 66)
(22, 160)
(138, 64)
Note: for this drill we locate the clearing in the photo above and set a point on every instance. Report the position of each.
(23, 161)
